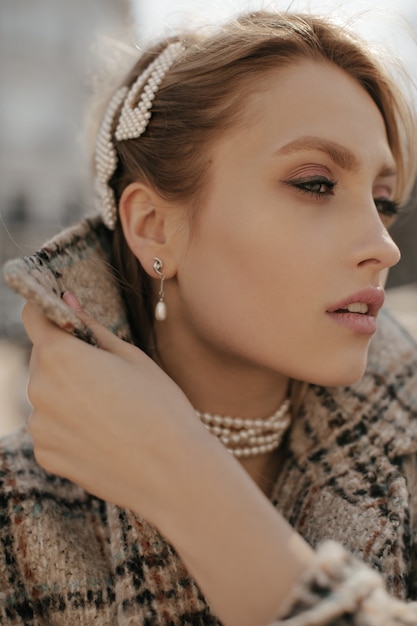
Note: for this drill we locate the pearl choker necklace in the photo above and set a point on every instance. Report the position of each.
(249, 437)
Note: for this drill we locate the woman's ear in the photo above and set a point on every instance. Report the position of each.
(143, 215)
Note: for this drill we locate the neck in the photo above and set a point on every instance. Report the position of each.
(220, 383)
(216, 381)
(264, 470)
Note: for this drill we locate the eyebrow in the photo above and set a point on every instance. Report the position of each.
(341, 156)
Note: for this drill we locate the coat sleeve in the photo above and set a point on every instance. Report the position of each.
(340, 590)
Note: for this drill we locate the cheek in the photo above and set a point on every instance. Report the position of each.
(237, 294)
(250, 264)
(256, 285)
(271, 319)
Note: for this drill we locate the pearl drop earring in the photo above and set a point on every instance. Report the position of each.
(161, 307)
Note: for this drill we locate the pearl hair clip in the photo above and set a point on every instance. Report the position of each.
(132, 123)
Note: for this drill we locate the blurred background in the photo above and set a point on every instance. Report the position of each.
(56, 58)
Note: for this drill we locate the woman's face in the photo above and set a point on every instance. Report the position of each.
(291, 233)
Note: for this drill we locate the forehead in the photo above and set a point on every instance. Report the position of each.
(312, 98)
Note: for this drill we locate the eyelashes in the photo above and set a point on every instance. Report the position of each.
(317, 186)
(321, 187)
(387, 207)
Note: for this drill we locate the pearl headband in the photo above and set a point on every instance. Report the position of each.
(132, 124)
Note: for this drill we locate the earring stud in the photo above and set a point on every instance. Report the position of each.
(161, 307)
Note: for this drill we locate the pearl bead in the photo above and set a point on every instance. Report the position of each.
(245, 437)
(132, 123)
(161, 311)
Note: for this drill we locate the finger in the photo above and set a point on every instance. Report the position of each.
(36, 324)
(105, 338)
(32, 367)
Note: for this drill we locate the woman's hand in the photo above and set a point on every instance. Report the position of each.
(107, 418)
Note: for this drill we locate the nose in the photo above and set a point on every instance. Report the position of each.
(377, 248)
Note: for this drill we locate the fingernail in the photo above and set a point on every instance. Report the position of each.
(73, 303)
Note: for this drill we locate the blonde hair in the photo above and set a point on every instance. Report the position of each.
(201, 97)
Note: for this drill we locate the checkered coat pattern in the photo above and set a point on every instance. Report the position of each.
(348, 486)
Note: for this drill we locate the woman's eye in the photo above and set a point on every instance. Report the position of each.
(386, 207)
(318, 186)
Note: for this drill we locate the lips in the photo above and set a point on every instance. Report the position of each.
(358, 312)
(373, 298)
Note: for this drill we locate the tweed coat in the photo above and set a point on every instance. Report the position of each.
(348, 486)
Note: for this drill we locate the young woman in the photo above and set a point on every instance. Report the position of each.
(220, 468)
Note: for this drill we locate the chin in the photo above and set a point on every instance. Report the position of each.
(342, 378)
(344, 381)
(342, 374)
